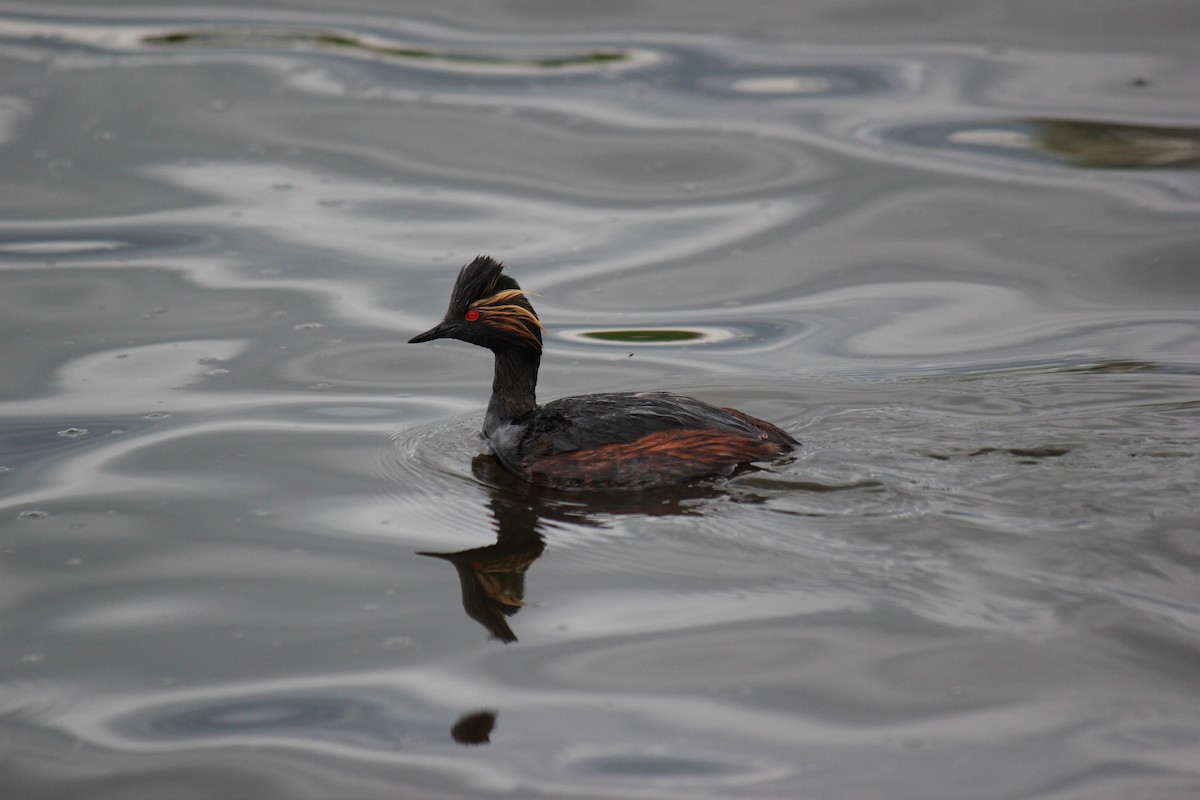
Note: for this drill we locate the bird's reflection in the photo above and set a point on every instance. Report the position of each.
(492, 577)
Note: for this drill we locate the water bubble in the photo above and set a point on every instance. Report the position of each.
(34, 513)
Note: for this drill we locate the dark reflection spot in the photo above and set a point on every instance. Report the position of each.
(263, 38)
(737, 334)
(170, 38)
(1038, 452)
(1096, 145)
(475, 727)
(1115, 145)
(657, 335)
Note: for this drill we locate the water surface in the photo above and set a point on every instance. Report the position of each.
(249, 546)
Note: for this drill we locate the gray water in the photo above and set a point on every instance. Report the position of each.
(953, 248)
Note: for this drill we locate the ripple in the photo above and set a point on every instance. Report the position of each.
(963, 275)
(671, 767)
(57, 247)
(425, 456)
(677, 658)
(254, 715)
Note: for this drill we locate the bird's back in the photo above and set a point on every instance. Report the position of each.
(633, 441)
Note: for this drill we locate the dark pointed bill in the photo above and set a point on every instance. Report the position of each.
(439, 331)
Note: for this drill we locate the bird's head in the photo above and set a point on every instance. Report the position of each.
(489, 309)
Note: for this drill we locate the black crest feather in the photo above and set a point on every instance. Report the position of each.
(482, 278)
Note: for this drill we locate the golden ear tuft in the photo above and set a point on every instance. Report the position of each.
(500, 312)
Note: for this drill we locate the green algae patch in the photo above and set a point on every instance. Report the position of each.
(321, 40)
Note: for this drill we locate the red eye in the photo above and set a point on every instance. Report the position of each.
(472, 315)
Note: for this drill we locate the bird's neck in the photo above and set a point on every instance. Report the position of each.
(514, 387)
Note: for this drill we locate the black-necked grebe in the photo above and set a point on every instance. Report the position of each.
(636, 440)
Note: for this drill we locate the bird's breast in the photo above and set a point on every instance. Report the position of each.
(503, 438)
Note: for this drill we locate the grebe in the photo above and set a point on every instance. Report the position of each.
(635, 440)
